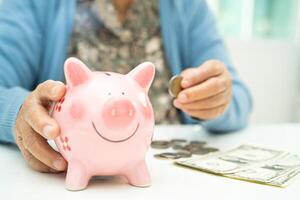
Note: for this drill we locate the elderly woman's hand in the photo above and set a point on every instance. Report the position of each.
(207, 90)
(34, 126)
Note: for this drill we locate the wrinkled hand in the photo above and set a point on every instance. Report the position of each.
(34, 126)
(207, 90)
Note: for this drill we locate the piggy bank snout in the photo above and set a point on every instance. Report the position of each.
(118, 113)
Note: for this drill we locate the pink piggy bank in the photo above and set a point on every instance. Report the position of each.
(106, 122)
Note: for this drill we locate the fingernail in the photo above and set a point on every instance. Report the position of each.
(182, 97)
(47, 131)
(185, 83)
(176, 104)
(59, 164)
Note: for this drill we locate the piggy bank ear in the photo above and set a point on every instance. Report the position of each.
(76, 72)
(143, 74)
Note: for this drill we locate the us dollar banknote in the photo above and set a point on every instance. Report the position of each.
(279, 172)
(249, 163)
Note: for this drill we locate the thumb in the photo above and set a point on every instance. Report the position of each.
(50, 90)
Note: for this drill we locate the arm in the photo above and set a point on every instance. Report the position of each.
(21, 38)
(19, 60)
(206, 44)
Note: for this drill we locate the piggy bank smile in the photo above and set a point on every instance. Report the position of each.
(114, 140)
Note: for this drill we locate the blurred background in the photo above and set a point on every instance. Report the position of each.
(262, 37)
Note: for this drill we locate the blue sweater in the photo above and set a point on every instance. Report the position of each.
(34, 37)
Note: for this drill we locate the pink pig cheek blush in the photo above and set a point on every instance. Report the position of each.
(77, 110)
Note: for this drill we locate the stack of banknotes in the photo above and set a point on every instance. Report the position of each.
(249, 163)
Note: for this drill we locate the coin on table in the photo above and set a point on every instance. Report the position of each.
(178, 147)
(184, 154)
(192, 147)
(178, 143)
(204, 150)
(160, 144)
(175, 85)
(167, 155)
(197, 142)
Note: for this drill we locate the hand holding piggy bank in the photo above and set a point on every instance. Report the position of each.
(106, 123)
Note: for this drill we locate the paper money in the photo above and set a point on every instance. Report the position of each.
(249, 163)
(233, 160)
(278, 172)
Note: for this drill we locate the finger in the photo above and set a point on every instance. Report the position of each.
(197, 75)
(207, 114)
(41, 150)
(30, 159)
(38, 118)
(208, 103)
(50, 91)
(204, 90)
(189, 71)
(34, 163)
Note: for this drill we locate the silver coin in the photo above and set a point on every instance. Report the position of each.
(178, 143)
(191, 147)
(175, 141)
(178, 147)
(204, 150)
(197, 142)
(175, 85)
(184, 154)
(160, 144)
(167, 155)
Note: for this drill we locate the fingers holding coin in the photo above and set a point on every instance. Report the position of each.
(203, 92)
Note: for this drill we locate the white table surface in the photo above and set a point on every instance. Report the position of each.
(169, 181)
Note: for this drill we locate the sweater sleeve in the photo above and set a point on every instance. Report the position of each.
(204, 44)
(19, 60)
